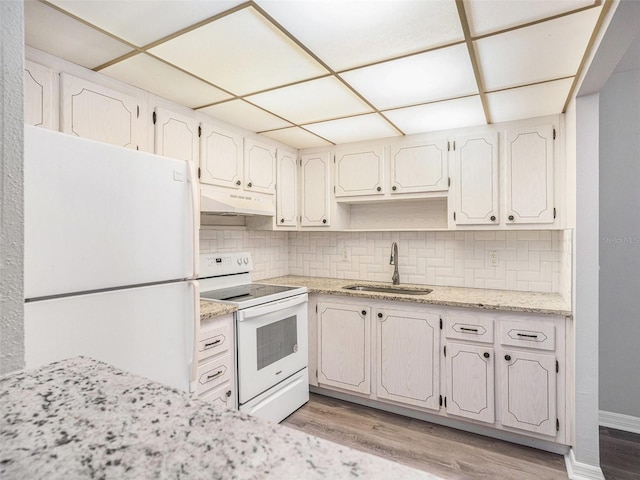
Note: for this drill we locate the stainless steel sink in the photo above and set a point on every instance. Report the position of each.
(384, 289)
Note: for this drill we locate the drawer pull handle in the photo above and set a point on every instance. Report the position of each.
(211, 344)
(469, 329)
(217, 374)
(527, 335)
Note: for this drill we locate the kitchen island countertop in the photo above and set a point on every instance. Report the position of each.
(79, 418)
(509, 300)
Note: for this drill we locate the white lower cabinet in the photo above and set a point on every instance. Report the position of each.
(470, 382)
(344, 332)
(408, 357)
(446, 361)
(215, 374)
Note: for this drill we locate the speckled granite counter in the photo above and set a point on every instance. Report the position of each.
(213, 309)
(79, 418)
(532, 302)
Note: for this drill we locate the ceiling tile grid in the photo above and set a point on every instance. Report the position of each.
(315, 72)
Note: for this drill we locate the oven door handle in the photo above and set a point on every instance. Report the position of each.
(272, 307)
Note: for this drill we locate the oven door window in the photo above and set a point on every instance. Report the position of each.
(276, 341)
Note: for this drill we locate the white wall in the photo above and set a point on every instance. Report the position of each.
(620, 244)
(11, 204)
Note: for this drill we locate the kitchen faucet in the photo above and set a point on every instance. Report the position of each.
(394, 261)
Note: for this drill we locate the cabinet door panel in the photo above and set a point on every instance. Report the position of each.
(287, 189)
(315, 190)
(476, 180)
(38, 95)
(408, 357)
(470, 382)
(344, 347)
(176, 135)
(359, 173)
(529, 392)
(419, 168)
(529, 170)
(220, 157)
(98, 113)
(259, 167)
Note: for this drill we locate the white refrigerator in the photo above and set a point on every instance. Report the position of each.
(111, 257)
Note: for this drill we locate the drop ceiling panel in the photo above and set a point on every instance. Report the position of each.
(494, 15)
(242, 114)
(312, 101)
(242, 53)
(545, 51)
(462, 112)
(164, 80)
(142, 22)
(354, 129)
(528, 102)
(297, 138)
(345, 34)
(427, 77)
(58, 34)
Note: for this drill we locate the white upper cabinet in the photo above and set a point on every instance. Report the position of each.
(476, 180)
(38, 95)
(176, 135)
(314, 173)
(359, 172)
(259, 167)
(419, 167)
(99, 113)
(529, 175)
(287, 189)
(220, 157)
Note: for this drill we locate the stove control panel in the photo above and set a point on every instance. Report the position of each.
(228, 263)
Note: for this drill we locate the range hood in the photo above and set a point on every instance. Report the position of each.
(216, 202)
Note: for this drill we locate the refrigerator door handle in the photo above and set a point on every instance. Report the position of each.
(195, 290)
(195, 205)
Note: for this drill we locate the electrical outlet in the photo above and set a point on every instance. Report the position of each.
(493, 258)
(346, 256)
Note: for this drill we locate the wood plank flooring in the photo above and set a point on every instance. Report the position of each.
(619, 454)
(449, 453)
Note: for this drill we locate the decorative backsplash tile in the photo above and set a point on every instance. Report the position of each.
(538, 261)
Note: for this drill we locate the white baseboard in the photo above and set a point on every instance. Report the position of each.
(581, 471)
(619, 421)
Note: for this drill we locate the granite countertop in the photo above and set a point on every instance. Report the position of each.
(214, 309)
(79, 418)
(509, 300)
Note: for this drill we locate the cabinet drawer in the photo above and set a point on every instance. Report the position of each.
(476, 328)
(213, 374)
(214, 339)
(540, 336)
(225, 396)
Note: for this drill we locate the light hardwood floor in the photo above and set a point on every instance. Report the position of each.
(446, 452)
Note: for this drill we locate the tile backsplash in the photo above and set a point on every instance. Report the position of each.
(526, 260)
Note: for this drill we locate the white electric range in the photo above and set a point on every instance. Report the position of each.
(271, 335)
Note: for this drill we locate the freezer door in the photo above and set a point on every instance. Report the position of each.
(149, 331)
(99, 216)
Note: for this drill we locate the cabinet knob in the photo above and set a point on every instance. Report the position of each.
(249, 184)
(228, 393)
(394, 188)
(507, 358)
(486, 355)
(511, 217)
(324, 220)
(364, 312)
(379, 314)
(238, 183)
(379, 189)
(493, 218)
(282, 220)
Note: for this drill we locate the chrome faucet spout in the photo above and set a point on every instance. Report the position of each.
(394, 261)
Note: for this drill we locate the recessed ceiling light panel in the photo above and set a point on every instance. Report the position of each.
(354, 129)
(245, 115)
